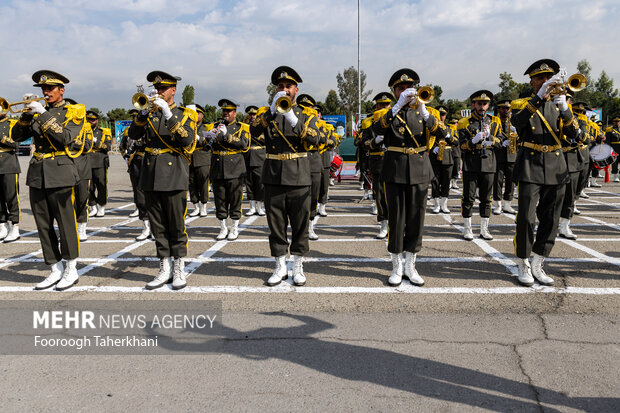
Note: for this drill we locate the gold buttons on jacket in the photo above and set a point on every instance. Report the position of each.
(170, 163)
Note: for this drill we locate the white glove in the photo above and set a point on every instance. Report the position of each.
(164, 107)
(423, 111)
(275, 99)
(379, 139)
(291, 118)
(479, 137)
(506, 143)
(436, 150)
(513, 129)
(210, 135)
(487, 143)
(405, 97)
(152, 93)
(560, 100)
(36, 107)
(222, 128)
(546, 87)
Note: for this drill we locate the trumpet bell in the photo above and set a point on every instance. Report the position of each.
(284, 104)
(4, 106)
(140, 101)
(426, 94)
(576, 82)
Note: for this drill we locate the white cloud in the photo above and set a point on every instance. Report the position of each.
(230, 48)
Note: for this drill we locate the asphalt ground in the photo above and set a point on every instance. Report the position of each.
(471, 338)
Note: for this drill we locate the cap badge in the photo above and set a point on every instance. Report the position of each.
(157, 79)
(42, 79)
(284, 74)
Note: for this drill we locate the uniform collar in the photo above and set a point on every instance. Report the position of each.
(228, 124)
(59, 104)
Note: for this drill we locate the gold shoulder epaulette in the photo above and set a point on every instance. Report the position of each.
(245, 127)
(609, 128)
(378, 114)
(209, 126)
(107, 131)
(453, 127)
(76, 113)
(496, 119)
(262, 110)
(583, 117)
(191, 114)
(366, 123)
(434, 112)
(310, 111)
(463, 123)
(519, 104)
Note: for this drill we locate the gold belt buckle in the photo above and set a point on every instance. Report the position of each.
(544, 148)
(287, 156)
(410, 151)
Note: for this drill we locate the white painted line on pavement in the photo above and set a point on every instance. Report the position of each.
(590, 251)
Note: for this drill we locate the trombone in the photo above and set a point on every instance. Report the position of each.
(141, 101)
(424, 94)
(7, 107)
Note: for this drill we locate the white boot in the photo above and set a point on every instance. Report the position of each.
(484, 229)
(617, 178)
(203, 209)
(233, 234)
(82, 231)
(322, 211)
(178, 274)
(437, 206)
(454, 184)
(410, 270)
(252, 209)
(260, 208)
(92, 210)
(146, 231)
(444, 205)
(583, 194)
(223, 230)
(53, 278)
(538, 272)
(299, 278)
(279, 273)
(196, 210)
(373, 208)
(69, 277)
(498, 208)
(4, 230)
(593, 183)
(525, 272)
(383, 231)
(508, 208)
(331, 182)
(565, 230)
(467, 232)
(100, 211)
(311, 234)
(163, 276)
(13, 233)
(135, 213)
(396, 277)
(576, 211)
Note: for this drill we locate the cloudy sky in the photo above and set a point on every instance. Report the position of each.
(229, 48)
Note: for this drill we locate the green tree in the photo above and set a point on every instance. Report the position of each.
(211, 114)
(271, 91)
(332, 105)
(348, 91)
(188, 95)
(118, 114)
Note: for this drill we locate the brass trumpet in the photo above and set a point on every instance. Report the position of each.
(574, 83)
(141, 101)
(284, 104)
(6, 107)
(424, 94)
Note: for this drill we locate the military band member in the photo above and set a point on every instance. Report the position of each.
(99, 162)
(169, 132)
(456, 153)
(254, 160)
(316, 165)
(286, 173)
(200, 168)
(231, 139)
(505, 155)
(52, 175)
(9, 182)
(408, 131)
(577, 158)
(612, 137)
(540, 169)
(326, 149)
(442, 163)
(82, 189)
(478, 137)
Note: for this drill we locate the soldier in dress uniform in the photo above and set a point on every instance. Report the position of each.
(82, 189)
(456, 153)
(316, 164)
(612, 137)
(99, 162)
(478, 137)
(442, 162)
(540, 169)
(408, 131)
(228, 142)
(169, 132)
(10, 211)
(254, 160)
(52, 174)
(577, 157)
(505, 156)
(286, 173)
(132, 150)
(376, 153)
(200, 168)
(331, 141)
